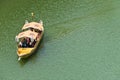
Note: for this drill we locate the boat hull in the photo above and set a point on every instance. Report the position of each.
(26, 52)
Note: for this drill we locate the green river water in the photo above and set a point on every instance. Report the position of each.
(81, 40)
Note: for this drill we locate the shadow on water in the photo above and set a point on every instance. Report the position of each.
(34, 55)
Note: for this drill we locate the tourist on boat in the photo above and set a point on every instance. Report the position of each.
(20, 44)
(24, 42)
(28, 42)
(32, 42)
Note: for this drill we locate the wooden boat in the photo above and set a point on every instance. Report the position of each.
(29, 38)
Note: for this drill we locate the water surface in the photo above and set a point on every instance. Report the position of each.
(81, 40)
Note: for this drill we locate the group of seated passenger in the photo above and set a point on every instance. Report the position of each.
(27, 42)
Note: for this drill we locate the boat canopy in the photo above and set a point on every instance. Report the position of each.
(33, 25)
(28, 33)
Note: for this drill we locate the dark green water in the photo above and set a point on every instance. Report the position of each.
(81, 40)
